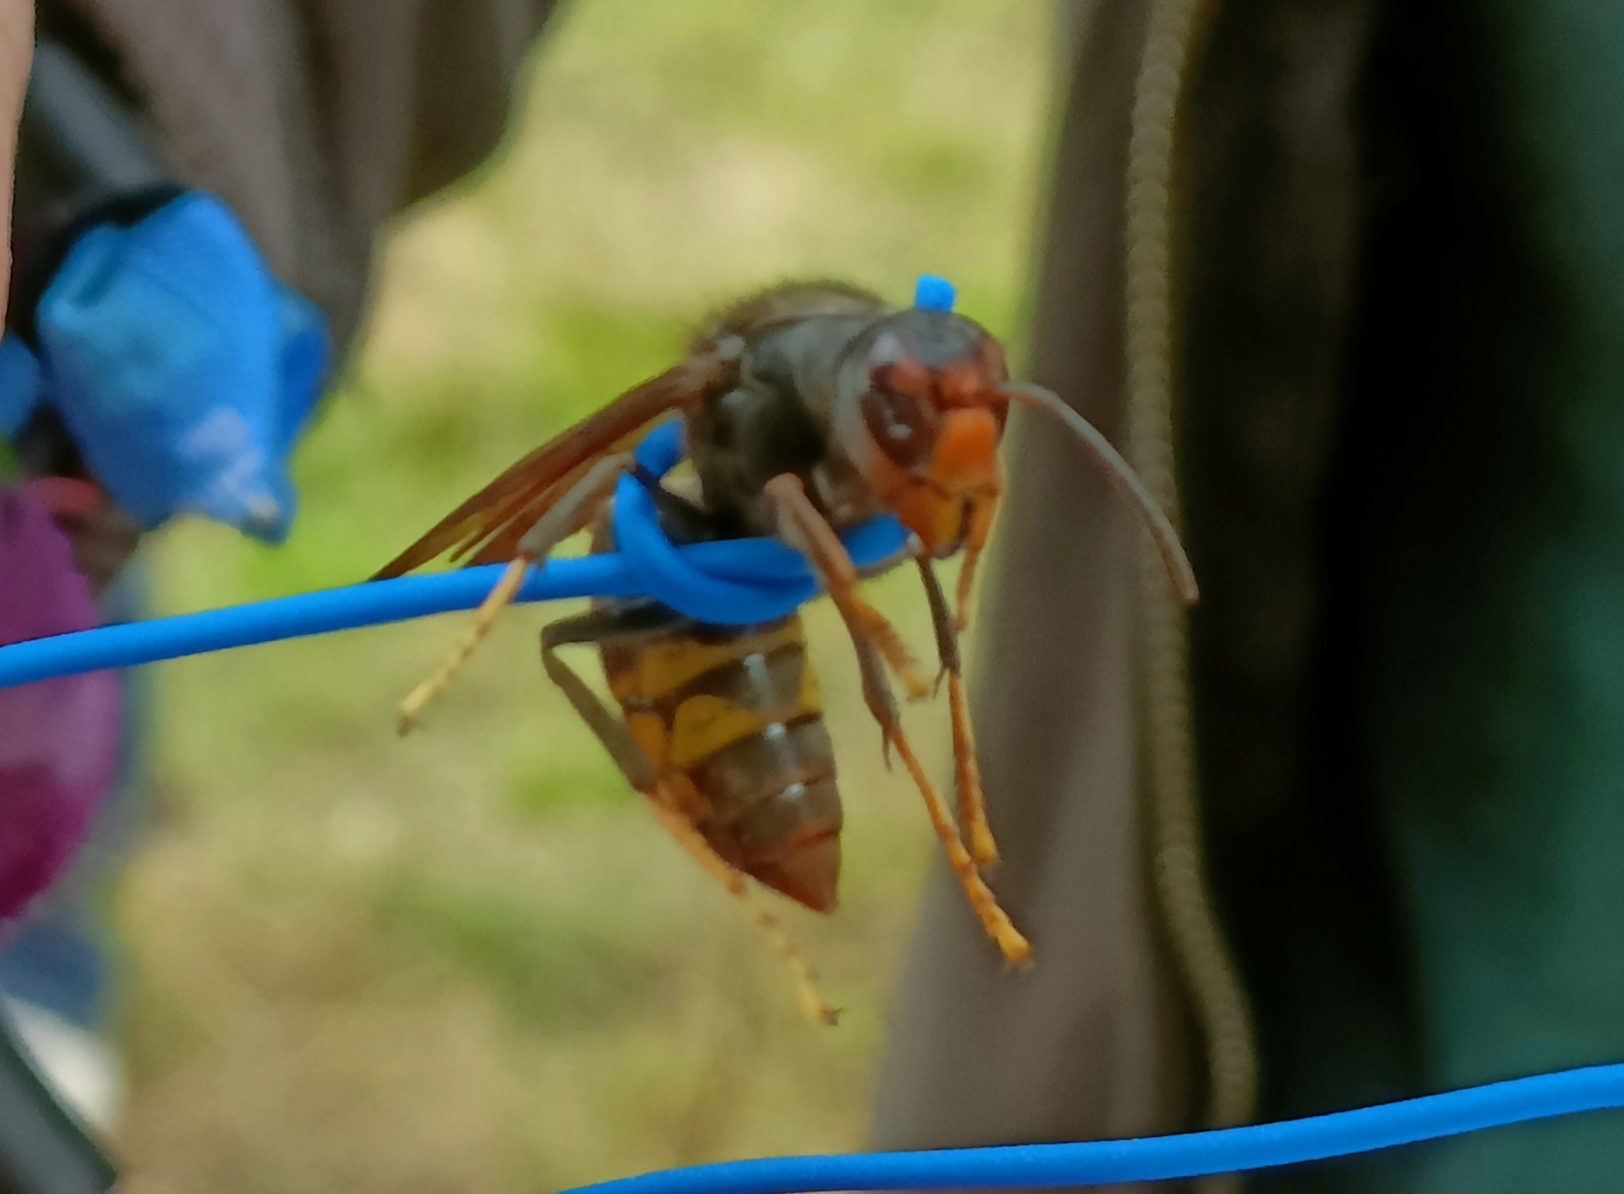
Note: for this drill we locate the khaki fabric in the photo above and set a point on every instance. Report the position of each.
(1094, 1040)
(1101, 1039)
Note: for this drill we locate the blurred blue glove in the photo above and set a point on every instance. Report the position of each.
(183, 370)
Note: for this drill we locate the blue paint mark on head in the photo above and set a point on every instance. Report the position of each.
(933, 294)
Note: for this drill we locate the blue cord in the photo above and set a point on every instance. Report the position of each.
(933, 294)
(735, 582)
(1195, 1154)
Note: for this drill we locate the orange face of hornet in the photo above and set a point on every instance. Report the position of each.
(925, 424)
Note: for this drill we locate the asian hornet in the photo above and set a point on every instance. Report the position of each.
(807, 410)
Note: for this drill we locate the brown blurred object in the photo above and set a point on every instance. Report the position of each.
(16, 49)
(103, 536)
(316, 123)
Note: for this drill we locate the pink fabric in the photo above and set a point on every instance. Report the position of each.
(58, 738)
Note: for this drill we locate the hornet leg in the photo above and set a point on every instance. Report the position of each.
(803, 528)
(983, 508)
(574, 511)
(966, 771)
(893, 650)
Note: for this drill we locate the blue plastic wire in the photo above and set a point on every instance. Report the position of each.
(1195, 1154)
(735, 582)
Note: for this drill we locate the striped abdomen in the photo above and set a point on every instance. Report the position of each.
(737, 712)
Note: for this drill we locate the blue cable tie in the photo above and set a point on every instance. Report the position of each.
(933, 294)
(1157, 1158)
(731, 582)
(774, 580)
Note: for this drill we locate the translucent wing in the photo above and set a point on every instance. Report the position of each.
(491, 523)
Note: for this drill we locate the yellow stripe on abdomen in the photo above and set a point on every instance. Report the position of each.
(704, 724)
(664, 667)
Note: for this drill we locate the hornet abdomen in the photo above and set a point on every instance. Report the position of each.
(737, 711)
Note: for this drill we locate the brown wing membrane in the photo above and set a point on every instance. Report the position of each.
(497, 516)
(515, 518)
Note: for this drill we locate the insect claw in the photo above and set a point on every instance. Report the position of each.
(885, 749)
(408, 721)
(812, 1003)
(817, 1010)
(411, 711)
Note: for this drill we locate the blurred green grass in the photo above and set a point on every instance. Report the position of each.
(469, 961)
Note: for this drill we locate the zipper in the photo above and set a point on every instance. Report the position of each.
(1200, 953)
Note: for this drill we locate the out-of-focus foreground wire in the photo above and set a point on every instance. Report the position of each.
(1196, 1154)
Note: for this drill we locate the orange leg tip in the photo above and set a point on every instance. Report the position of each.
(983, 848)
(1017, 950)
(806, 986)
(407, 719)
(411, 709)
(1019, 961)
